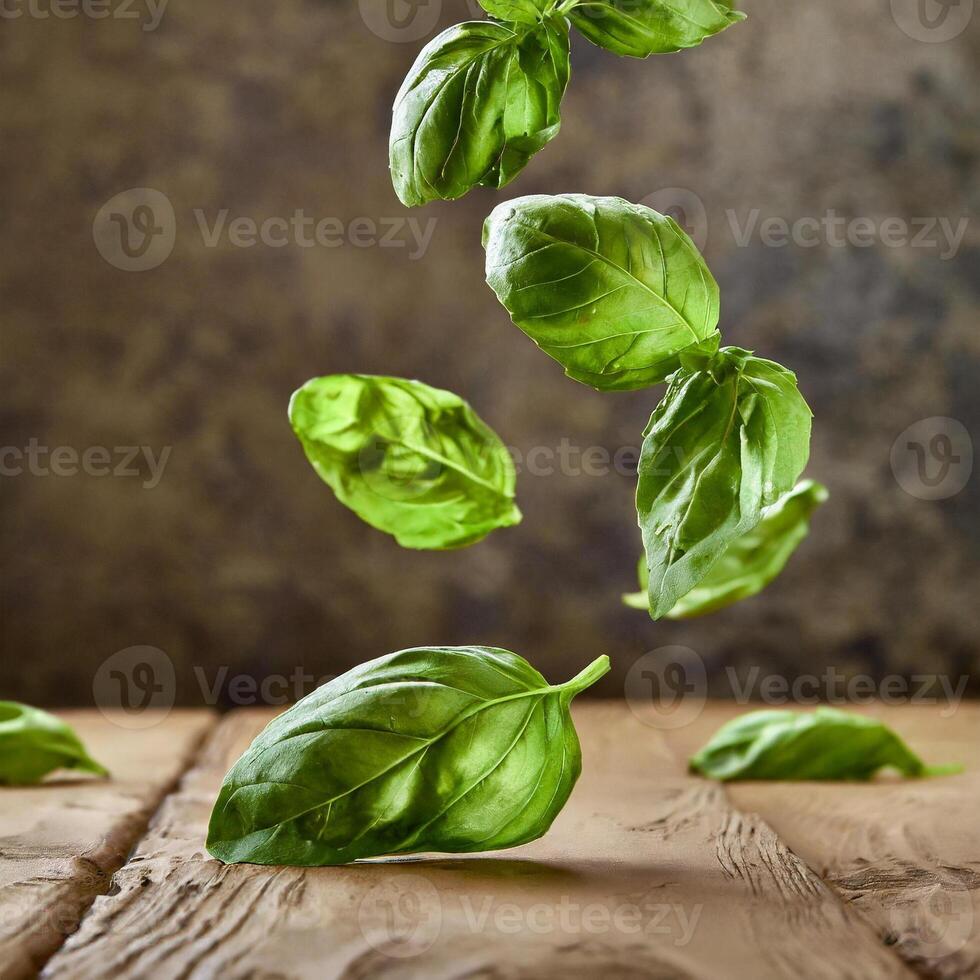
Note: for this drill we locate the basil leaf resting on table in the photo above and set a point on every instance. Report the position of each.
(480, 101)
(822, 744)
(751, 561)
(639, 28)
(34, 743)
(431, 749)
(410, 460)
(730, 436)
(613, 291)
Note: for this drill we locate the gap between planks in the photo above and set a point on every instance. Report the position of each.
(61, 842)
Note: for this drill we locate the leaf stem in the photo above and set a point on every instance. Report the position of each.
(563, 7)
(585, 678)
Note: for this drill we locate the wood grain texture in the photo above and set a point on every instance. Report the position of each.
(906, 853)
(61, 841)
(648, 872)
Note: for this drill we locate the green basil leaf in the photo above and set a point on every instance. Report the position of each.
(612, 291)
(757, 557)
(821, 744)
(430, 749)
(640, 599)
(639, 28)
(34, 743)
(726, 441)
(412, 461)
(751, 561)
(479, 102)
(516, 11)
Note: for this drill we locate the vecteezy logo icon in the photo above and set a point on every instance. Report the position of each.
(135, 230)
(400, 20)
(934, 921)
(136, 687)
(667, 687)
(401, 916)
(932, 21)
(933, 458)
(685, 207)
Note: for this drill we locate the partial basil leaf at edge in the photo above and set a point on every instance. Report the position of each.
(481, 99)
(516, 11)
(639, 599)
(613, 291)
(639, 28)
(413, 461)
(725, 442)
(432, 749)
(751, 562)
(34, 743)
(821, 744)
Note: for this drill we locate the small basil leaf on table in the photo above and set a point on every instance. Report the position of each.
(751, 562)
(479, 102)
(430, 749)
(822, 744)
(413, 461)
(730, 436)
(34, 743)
(639, 28)
(613, 291)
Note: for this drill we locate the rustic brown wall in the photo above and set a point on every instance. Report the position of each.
(240, 556)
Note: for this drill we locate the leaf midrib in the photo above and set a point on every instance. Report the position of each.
(618, 268)
(381, 406)
(464, 716)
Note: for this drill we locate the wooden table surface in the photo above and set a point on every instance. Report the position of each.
(647, 872)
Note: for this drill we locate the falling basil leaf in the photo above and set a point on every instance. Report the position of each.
(639, 28)
(34, 743)
(410, 460)
(479, 102)
(822, 744)
(430, 749)
(751, 561)
(612, 291)
(731, 435)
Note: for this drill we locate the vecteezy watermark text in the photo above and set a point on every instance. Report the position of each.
(942, 235)
(571, 460)
(574, 918)
(305, 231)
(136, 230)
(243, 690)
(119, 461)
(833, 686)
(403, 914)
(667, 688)
(149, 12)
(839, 231)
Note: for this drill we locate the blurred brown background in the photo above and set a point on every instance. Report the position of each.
(239, 556)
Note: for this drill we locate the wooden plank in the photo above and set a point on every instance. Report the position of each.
(61, 841)
(904, 852)
(647, 872)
